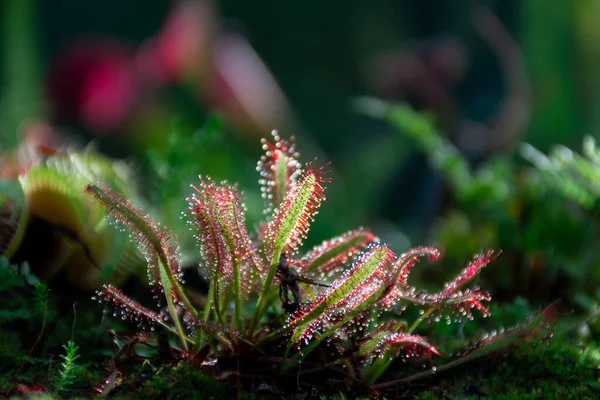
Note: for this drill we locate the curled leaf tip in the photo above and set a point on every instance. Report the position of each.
(411, 345)
(470, 271)
(408, 260)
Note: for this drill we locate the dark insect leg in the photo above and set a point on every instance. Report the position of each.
(296, 293)
(282, 293)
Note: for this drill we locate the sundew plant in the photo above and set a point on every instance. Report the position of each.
(269, 301)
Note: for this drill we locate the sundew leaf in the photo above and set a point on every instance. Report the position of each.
(292, 219)
(540, 324)
(290, 225)
(411, 345)
(386, 346)
(212, 249)
(369, 344)
(279, 170)
(469, 272)
(129, 308)
(233, 261)
(402, 269)
(334, 253)
(464, 300)
(347, 318)
(397, 274)
(140, 315)
(407, 261)
(218, 260)
(359, 287)
(218, 213)
(452, 295)
(159, 245)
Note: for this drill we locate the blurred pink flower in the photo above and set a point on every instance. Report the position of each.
(180, 49)
(94, 82)
(105, 85)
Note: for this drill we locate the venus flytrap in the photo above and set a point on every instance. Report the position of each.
(359, 277)
(45, 200)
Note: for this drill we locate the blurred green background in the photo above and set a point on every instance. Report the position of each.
(320, 52)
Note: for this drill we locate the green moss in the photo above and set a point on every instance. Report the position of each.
(36, 396)
(182, 382)
(427, 396)
(342, 396)
(556, 370)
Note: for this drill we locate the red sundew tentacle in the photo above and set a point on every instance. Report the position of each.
(211, 243)
(129, 308)
(267, 166)
(245, 253)
(450, 296)
(402, 269)
(412, 344)
(470, 271)
(333, 254)
(408, 346)
(345, 302)
(409, 259)
(218, 213)
(312, 182)
(461, 301)
(378, 274)
(154, 241)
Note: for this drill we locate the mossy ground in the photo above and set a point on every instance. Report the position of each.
(557, 369)
(553, 370)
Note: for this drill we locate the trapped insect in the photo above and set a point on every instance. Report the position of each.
(289, 278)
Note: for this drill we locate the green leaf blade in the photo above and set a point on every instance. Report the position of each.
(354, 290)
